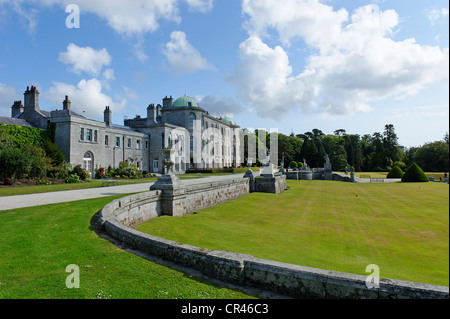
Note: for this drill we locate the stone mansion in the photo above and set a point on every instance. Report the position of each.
(201, 141)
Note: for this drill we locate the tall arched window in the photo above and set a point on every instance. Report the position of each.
(191, 119)
(88, 162)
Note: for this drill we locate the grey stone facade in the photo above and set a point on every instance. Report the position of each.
(201, 140)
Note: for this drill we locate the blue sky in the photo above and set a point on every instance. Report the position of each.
(291, 65)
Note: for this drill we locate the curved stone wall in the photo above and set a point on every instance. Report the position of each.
(118, 217)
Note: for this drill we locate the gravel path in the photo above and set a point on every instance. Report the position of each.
(29, 200)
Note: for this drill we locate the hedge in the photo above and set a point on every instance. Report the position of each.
(414, 174)
(395, 172)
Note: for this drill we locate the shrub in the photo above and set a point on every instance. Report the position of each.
(414, 174)
(36, 157)
(58, 172)
(73, 178)
(100, 173)
(82, 173)
(43, 182)
(13, 163)
(53, 152)
(293, 164)
(395, 172)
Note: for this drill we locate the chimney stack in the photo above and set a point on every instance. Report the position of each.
(108, 116)
(17, 108)
(168, 101)
(151, 114)
(66, 103)
(31, 99)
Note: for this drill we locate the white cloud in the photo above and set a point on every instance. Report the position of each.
(183, 57)
(139, 51)
(219, 106)
(355, 61)
(125, 17)
(200, 5)
(263, 77)
(8, 95)
(307, 19)
(435, 15)
(85, 59)
(87, 97)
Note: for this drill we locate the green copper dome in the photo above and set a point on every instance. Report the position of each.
(185, 101)
(228, 120)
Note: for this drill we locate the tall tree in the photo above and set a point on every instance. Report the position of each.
(390, 142)
(433, 157)
(354, 152)
(334, 147)
(340, 132)
(446, 138)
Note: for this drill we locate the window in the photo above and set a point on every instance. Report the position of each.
(118, 141)
(89, 135)
(191, 119)
(146, 145)
(162, 143)
(138, 144)
(88, 164)
(128, 142)
(95, 136)
(192, 144)
(82, 134)
(106, 140)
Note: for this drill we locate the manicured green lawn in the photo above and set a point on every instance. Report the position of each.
(38, 243)
(401, 227)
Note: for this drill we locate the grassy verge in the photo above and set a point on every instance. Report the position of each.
(403, 228)
(37, 244)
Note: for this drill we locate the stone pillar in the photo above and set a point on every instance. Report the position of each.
(328, 173)
(267, 171)
(173, 194)
(249, 174)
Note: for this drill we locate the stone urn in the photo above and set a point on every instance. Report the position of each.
(168, 183)
(168, 162)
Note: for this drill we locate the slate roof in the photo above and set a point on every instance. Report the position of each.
(8, 120)
(59, 113)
